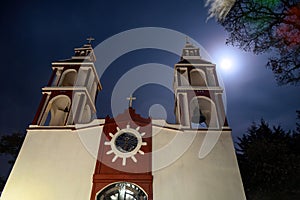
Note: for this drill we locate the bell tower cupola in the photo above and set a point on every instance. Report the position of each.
(189, 51)
(71, 92)
(198, 95)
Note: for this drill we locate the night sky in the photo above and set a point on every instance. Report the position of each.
(36, 33)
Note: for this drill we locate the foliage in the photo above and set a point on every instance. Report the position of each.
(269, 161)
(11, 144)
(297, 131)
(268, 26)
(2, 183)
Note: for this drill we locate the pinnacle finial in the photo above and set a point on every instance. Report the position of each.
(187, 40)
(90, 39)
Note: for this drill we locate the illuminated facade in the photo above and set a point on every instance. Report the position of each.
(70, 154)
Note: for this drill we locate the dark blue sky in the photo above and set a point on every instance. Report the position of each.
(35, 33)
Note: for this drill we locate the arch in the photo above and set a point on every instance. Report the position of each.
(68, 77)
(182, 77)
(197, 77)
(57, 111)
(186, 52)
(86, 114)
(129, 191)
(203, 113)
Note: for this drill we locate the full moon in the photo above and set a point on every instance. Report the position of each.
(226, 64)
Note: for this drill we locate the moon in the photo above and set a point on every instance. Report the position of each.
(226, 64)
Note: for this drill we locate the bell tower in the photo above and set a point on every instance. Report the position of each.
(198, 95)
(71, 92)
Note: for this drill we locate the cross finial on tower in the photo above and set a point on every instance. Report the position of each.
(130, 99)
(90, 39)
(187, 39)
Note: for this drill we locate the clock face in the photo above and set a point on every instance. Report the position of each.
(122, 190)
(126, 142)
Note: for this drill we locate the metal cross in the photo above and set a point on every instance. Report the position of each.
(130, 99)
(90, 39)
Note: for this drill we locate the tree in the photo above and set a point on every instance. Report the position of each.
(296, 134)
(10, 146)
(272, 27)
(269, 163)
(2, 183)
(297, 131)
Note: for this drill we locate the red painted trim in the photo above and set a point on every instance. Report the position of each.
(99, 177)
(52, 77)
(39, 110)
(105, 175)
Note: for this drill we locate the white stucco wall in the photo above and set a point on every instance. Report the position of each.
(59, 164)
(54, 165)
(214, 177)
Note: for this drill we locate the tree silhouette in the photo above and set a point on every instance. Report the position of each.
(269, 163)
(297, 131)
(10, 146)
(2, 183)
(271, 26)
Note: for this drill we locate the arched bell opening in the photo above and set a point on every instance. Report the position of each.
(203, 113)
(182, 77)
(197, 77)
(57, 111)
(68, 78)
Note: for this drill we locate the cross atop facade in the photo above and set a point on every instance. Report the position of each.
(130, 99)
(90, 39)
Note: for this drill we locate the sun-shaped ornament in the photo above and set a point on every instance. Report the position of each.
(126, 143)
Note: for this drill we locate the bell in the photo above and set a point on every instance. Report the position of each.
(202, 118)
(66, 109)
(196, 118)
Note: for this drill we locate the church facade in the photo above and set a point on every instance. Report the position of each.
(69, 154)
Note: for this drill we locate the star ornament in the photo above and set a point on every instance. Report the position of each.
(126, 143)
